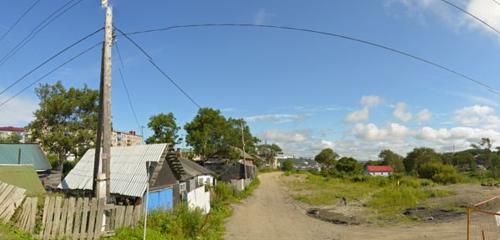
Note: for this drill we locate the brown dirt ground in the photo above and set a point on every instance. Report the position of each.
(271, 214)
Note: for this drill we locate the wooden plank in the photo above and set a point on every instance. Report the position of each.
(12, 202)
(93, 213)
(5, 198)
(128, 216)
(85, 215)
(70, 217)
(64, 215)
(78, 217)
(136, 215)
(50, 218)
(99, 218)
(44, 216)
(32, 216)
(57, 218)
(118, 221)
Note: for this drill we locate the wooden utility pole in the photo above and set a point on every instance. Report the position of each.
(102, 173)
(243, 143)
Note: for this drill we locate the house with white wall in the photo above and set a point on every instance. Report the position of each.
(383, 170)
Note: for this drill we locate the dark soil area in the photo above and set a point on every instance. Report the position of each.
(429, 214)
(332, 217)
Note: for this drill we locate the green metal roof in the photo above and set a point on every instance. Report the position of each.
(30, 154)
(23, 176)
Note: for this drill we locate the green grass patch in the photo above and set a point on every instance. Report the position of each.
(386, 197)
(9, 232)
(183, 223)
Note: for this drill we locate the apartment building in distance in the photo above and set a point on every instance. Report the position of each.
(123, 138)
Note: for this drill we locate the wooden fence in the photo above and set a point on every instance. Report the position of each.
(11, 198)
(75, 218)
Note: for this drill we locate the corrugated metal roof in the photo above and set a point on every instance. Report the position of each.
(30, 154)
(193, 169)
(128, 169)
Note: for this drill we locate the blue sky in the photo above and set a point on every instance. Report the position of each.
(299, 90)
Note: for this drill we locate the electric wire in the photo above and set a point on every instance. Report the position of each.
(324, 33)
(126, 88)
(150, 59)
(19, 19)
(49, 59)
(471, 15)
(50, 72)
(46, 22)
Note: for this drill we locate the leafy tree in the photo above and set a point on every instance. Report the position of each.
(491, 160)
(11, 138)
(287, 165)
(66, 121)
(164, 129)
(419, 156)
(348, 165)
(268, 152)
(327, 157)
(393, 159)
(210, 133)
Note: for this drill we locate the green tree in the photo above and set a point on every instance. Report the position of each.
(327, 157)
(491, 160)
(66, 120)
(419, 156)
(164, 129)
(11, 138)
(388, 157)
(287, 165)
(348, 165)
(268, 152)
(210, 133)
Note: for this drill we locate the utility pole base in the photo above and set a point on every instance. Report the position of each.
(101, 185)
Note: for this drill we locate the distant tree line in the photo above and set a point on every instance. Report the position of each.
(66, 121)
(478, 161)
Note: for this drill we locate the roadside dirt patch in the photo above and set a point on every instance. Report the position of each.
(328, 215)
(429, 214)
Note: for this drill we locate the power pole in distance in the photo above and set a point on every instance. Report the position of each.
(102, 174)
(243, 143)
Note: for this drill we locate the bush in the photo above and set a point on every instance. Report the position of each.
(439, 173)
(287, 166)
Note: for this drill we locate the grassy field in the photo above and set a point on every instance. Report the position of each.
(379, 199)
(8, 232)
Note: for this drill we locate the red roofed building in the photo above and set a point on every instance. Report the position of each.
(384, 170)
(5, 132)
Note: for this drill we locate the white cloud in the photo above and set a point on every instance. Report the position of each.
(370, 131)
(424, 115)
(262, 16)
(371, 100)
(275, 118)
(276, 135)
(484, 9)
(358, 116)
(478, 115)
(401, 113)
(17, 112)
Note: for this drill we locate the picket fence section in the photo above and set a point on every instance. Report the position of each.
(11, 198)
(26, 219)
(84, 218)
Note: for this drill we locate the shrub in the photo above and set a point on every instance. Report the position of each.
(439, 173)
(287, 165)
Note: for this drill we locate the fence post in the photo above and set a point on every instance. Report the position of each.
(468, 223)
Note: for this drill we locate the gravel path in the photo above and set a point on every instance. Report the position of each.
(270, 214)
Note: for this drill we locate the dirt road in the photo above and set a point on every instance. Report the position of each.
(271, 214)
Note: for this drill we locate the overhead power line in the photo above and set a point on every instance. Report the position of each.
(42, 25)
(19, 19)
(150, 59)
(50, 72)
(329, 34)
(126, 88)
(49, 59)
(472, 15)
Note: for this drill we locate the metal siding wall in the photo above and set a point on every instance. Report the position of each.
(160, 200)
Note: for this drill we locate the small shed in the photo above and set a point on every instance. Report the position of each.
(382, 170)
